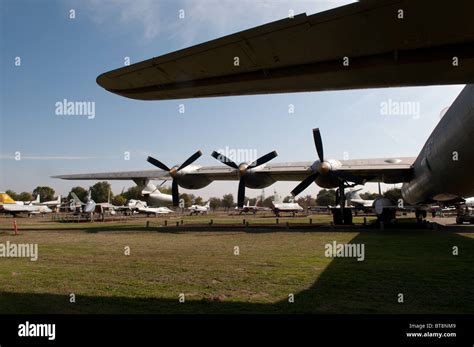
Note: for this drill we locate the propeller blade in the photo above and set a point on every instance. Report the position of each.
(318, 143)
(157, 163)
(190, 160)
(241, 193)
(304, 184)
(175, 192)
(224, 160)
(263, 159)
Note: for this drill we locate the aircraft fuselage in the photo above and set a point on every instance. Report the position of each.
(443, 169)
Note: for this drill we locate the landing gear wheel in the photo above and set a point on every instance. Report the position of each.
(337, 217)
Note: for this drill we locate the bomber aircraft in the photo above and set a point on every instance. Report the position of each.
(368, 44)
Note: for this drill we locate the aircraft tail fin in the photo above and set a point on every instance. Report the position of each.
(149, 189)
(208, 204)
(6, 199)
(76, 198)
(37, 200)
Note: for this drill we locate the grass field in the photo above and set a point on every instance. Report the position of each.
(202, 265)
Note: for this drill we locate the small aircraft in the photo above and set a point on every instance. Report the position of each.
(8, 205)
(198, 209)
(79, 206)
(53, 204)
(142, 207)
(251, 209)
(353, 199)
(154, 197)
(285, 207)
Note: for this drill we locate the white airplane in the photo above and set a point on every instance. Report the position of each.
(154, 197)
(8, 205)
(54, 204)
(285, 207)
(142, 207)
(251, 209)
(353, 199)
(87, 207)
(199, 209)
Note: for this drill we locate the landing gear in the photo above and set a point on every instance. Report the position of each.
(342, 215)
(420, 215)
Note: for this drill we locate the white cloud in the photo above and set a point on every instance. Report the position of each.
(156, 17)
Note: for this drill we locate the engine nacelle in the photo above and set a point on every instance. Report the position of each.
(258, 180)
(193, 181)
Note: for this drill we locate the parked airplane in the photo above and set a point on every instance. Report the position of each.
(10, 206)
(154, 197)
(285, 207)
(353, 199)
(53, 204)
(198, 209)
(277, 57)
(142, 207)
(78, 205)
(251, 209)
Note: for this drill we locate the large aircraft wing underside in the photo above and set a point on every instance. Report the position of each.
(369, 44)
(372, 170)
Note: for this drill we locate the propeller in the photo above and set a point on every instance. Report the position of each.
(243, 168)
(174, 173)
(324, 168)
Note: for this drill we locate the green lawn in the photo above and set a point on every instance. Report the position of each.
(271, 265)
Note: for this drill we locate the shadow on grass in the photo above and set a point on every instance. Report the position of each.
(418, 264)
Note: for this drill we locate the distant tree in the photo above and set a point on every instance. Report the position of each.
(134, 193)
(45, 193)
(80, 192)
(188, 199)
(12, 194)
(393, 195)
(228, 201)
(100, 191)
(326, 197)
(25, 196)
(369, 196)
(119, 200)
(268, 202)
(306, 201)
(288, 198)
(215, 203)
(165, 189)
(199, 201)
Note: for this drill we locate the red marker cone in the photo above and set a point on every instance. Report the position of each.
(15, 227)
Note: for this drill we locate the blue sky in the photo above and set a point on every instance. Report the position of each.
(61, 58)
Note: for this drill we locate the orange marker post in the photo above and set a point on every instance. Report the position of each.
(15, 227)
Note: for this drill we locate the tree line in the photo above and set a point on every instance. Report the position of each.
(102, 192)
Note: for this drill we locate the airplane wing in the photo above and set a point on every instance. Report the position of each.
(372, 170)
(369, 44)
